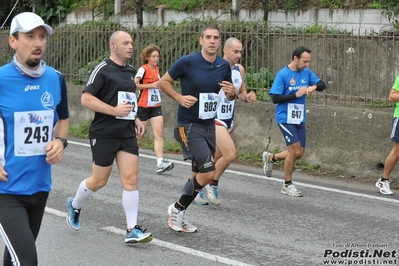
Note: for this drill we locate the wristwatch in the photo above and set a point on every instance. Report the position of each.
(64, 141)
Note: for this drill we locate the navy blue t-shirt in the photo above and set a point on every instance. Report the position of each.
(198, 75)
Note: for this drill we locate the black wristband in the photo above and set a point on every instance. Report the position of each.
(64, 141)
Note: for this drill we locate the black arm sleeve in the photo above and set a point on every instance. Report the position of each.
(321, 86)
(279, 98)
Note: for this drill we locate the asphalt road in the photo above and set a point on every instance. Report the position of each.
(337, 222)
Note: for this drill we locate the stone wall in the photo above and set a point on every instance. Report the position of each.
(355, 141)
(349, 19)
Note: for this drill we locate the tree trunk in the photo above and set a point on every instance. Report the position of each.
(265, 7)
(139, 12)
(235, 7)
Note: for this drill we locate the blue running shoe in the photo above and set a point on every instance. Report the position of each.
(137, 235)
(200, 198)
(72, 218)
(212, 193)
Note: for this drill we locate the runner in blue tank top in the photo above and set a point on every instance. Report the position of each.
(33, 130)
(201, 75)
(289, 90)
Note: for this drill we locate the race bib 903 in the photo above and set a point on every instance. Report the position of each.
(208, 104)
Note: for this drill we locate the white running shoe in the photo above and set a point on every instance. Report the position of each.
(186, 226)
(384, 187)
(200, 198)
(164, 166)
(178, 221)
(291, 190)
(212, 193)
(267, 164)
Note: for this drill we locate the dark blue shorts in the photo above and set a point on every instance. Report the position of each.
(293, 133)
(395, 130)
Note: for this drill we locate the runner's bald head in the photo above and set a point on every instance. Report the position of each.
(115, 35)
(229, 42)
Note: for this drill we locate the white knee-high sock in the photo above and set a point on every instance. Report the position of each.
(83, 193)
(130, 202)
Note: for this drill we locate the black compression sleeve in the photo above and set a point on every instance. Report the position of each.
(321, 86)
(278, 98)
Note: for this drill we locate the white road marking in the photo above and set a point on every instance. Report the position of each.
(361, 195)
(55, 212)
(165, 244)
(186, 250)
(78, 143)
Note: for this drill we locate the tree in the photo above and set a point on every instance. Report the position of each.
(54, 11)
(7, 6)
(99, 7)
(265, 7)
(139, 12)
(390, 9)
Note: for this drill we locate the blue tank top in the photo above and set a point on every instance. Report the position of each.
(28, 113)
